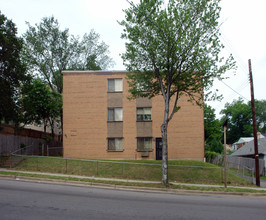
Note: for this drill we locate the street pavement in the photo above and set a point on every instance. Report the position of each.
(37, 200)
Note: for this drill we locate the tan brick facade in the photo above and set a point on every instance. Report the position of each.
(86, 128)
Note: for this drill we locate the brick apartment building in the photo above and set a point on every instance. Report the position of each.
(99, 122)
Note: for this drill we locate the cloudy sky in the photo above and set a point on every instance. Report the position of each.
(243, 34)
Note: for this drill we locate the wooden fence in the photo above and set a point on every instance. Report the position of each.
(35, 146)
(238, 162)
(24, 132)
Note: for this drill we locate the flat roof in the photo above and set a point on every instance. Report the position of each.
(96, 72)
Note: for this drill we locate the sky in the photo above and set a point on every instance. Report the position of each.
(243, 34)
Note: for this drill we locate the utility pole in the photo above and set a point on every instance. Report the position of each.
(256, 153)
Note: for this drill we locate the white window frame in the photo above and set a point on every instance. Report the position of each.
(147, 144)
(115, 144)
(117, 85)
(115, 114)
(143, 116)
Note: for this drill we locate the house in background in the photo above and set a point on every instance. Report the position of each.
(248, 150)
(99, 122)
(244, 140)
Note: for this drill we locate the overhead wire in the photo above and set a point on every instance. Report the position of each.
(234, 90)
(231, 49)
(239, 61)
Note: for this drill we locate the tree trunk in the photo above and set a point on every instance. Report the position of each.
(51, 122)
(165, 154)
(44, 127)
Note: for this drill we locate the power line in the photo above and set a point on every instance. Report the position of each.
(234, 90)
(231, 49)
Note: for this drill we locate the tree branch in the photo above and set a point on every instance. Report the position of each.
(161, 82)
(174, 107)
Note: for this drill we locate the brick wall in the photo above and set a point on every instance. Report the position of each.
(85, 131)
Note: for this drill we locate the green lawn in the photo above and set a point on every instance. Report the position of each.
(263, 177)
(201, 173)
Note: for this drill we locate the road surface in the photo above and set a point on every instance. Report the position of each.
(30, 200)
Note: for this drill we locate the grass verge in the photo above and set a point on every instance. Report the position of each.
(136, 184)
(181, 171)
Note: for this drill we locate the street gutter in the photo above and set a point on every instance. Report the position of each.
(123, 187)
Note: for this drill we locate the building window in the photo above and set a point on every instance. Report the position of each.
(115, 85)
(143, 114)
(115, 114)
(115, 144)
(144, 144)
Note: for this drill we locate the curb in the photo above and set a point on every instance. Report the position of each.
(127, 188)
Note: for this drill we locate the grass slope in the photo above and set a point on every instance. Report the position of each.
(186, 171)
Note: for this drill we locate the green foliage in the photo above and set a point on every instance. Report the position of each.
(49, 50)
(212, 126)
(215, 145)
(173, 51)
(210, 155)
(48, 138)
(12, 70)
(22, 145)
(239, 116)
(260, 106)
(213, 131)
(39, 104)
(229, 151)
(181, 42)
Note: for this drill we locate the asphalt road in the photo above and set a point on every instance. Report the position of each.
(29, 200)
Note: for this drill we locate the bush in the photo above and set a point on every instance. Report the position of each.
(215, 146)
(22, 145)
(210, 155)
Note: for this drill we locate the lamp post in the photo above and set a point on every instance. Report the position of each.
(225, 163)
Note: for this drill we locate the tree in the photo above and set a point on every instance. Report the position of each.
(260, 107)
(39, 104)
(239, 120)
(12, 70)
(173, 52)
(48, 51)
(214, 145)
(239, 116)
(212, 126)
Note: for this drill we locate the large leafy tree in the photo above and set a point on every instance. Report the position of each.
(172, 51)
(260, 106)
(212, 129)
(213, 132)
(49, 50)
(39, 104)
(239, 116)
(12, 70)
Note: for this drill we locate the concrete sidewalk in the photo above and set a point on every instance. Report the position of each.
(262, 182)
(126, 180)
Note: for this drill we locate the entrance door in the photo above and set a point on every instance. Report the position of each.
(159, 148)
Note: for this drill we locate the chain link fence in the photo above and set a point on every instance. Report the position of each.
(30, 160)
(242, 166)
